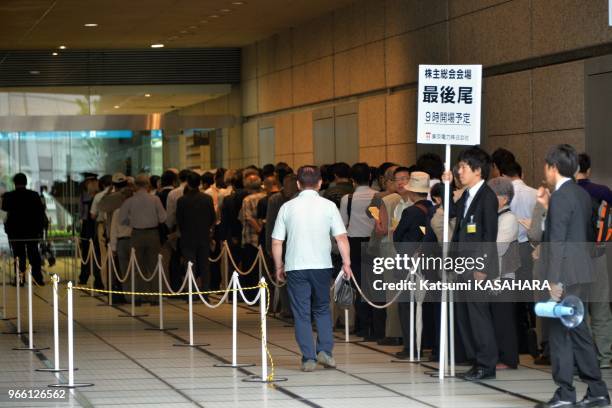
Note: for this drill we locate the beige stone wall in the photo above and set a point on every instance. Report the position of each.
(369, 53)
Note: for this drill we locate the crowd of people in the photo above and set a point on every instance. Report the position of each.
(187, 216)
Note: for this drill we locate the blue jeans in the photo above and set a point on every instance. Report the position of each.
(309, 296)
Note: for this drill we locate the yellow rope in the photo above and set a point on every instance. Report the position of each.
(121, 292)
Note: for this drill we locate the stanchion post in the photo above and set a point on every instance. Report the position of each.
(234, 288)
(132, 271)
(30, 318)
(346, 326)
(71, 383)
(56, 362)
(263, 305)
(190, 281)
(160, 271)
(91, 266)
(109, 279)
(17, 300)
(3, 294)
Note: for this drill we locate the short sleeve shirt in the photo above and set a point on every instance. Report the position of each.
(306, 223)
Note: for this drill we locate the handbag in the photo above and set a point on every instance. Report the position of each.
(344, 294)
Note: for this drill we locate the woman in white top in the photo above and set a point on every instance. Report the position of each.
(503, 307)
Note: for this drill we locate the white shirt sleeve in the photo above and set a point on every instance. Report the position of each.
(280, 229)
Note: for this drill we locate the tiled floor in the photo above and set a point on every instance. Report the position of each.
(133, 367)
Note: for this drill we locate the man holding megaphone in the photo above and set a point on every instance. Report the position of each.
(569, 271)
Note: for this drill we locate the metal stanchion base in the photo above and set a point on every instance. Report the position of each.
(230, 365)
(436, 373)
(136, 315)
(30, 349)
(76, 385)
(53, 370)
(15, 332)
(164, 329)
(258, 379)
(190, 345)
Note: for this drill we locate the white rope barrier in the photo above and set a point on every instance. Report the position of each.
(252, 302)
(210, 305)
(137, 267)
(168, 284)
(190, 282)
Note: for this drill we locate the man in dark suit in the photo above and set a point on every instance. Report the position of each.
(569, 271)
(24, 225)
(474, 236)
(195, 217)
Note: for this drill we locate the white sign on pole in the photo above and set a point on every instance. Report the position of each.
(449, 104)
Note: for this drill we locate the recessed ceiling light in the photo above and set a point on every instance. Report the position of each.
(238, 3)
(213, 16)
(34, 72)
(62, 47)
(90, 25)
(193, 27)
(157, 45)
(184, 31)
(203, 21)
(116, 106)
(55, 53)
(147, 95)
(225, 10)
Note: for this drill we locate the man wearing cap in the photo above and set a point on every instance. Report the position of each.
(412, 229)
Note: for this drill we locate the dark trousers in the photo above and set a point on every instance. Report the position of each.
(569, 347)
(309, 298)
(29, 249)
(88, 231)
(503, 311)
(198, 255)
(476, 329)
(364, 313)
(525, 316)
(249, 255)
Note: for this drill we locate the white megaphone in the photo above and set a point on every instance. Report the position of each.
(570, 310)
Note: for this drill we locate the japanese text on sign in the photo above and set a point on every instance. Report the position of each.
(449, 104)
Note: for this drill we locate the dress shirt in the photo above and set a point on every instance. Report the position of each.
(118, 231)
(307, 222)
(397, 212)
(142, 211)
(471, 194)
(94, 211)
(559, 183)
(248, 213)
(173, 197)
(360, 224)
(522, 204)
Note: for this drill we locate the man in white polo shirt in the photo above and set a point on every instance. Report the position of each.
(306, 222)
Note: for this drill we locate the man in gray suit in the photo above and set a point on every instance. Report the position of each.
(569, 271)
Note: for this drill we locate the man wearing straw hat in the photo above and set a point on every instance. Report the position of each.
(306, 222)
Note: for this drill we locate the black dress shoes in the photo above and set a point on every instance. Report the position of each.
(478, 373)
(390, 341)
(555, 403)
(594, 402)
